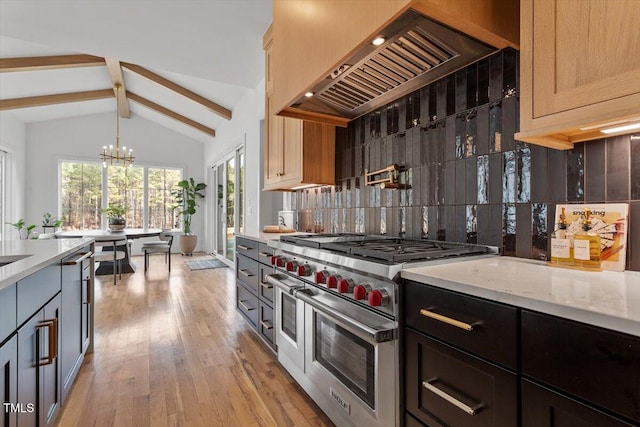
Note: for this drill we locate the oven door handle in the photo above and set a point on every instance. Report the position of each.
(277, 280)
(367, 333)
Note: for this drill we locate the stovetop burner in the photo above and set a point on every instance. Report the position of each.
(385, 249)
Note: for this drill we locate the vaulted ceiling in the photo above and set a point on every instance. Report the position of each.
(210, 48)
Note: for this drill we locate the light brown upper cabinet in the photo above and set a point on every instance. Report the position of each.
(314, 38)
(579, 67)
(296, 153)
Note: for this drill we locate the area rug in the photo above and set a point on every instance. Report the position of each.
(203, 264)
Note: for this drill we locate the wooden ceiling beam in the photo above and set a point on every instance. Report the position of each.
(218, 109)
(115, 72)
(49, 62)
(172, 114)
(61, 98)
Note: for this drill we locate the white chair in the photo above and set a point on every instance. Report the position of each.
(162, 246)
(115, 256)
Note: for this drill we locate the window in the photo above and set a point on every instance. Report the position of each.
(81, 195)
(144, 191)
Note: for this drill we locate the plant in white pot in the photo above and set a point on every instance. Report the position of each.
(187, 196)
(115, 214)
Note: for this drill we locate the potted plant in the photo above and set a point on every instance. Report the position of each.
(115, 214)
(51, 221)
(24, 231)
(187, 196)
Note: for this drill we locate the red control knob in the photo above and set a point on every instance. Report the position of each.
(291, 265)
(321, 276)
(274, 260)
(332, 281)
(345, 286)
(360, 292)
(304, 270)
(378, 298)
(280, 262)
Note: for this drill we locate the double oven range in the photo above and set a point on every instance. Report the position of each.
(336, 317)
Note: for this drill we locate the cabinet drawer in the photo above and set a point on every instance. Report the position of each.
(34, 291)
(544, 408)
(247, 247)
(247, 304)
(447, 386)
(264, 253)
(266, 323)
(595, 364)
(7, 311)
(247, 272)
(494, 333)
(266, 289)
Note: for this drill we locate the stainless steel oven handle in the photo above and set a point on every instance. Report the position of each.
(358, 328)
(277, 280)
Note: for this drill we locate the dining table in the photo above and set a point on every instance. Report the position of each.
(106, 267)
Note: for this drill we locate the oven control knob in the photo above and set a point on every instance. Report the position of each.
(332, 281)
(360, 291)
(275, 259)
(346, 286)
(304, 270)
(378, 298)
(291, 265)
(280, 261)
(321, 277)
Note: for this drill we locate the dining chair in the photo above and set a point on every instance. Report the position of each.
(161, 246)
(115, 256)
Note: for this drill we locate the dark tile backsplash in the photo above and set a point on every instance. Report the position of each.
(465, 177)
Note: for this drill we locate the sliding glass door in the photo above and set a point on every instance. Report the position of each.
(229, 206)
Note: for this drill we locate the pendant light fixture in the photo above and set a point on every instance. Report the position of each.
(115, 156)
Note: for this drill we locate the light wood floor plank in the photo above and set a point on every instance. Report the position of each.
(171, 350)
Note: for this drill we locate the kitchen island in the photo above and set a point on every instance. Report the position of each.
(485, 337)
(46, 324)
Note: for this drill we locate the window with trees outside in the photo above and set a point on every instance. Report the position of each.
(144, 191)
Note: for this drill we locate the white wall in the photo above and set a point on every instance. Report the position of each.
(246, 123)
(82, 138)
(13, 141)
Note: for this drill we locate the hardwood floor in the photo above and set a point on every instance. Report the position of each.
(170, 349)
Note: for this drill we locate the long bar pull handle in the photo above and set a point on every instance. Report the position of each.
(266, 285)
(447, 320)
(52, 326)
(466, 408)
(266, 325)
(241, 302)
(264, 254)
(244, 273)
(244, 248)
(78, 260)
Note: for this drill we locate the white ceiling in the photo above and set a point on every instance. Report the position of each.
(213, 48)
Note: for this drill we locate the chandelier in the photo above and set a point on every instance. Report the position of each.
(115, 155)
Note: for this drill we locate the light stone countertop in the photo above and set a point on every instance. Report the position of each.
(40, 254)
(607, 299)
(265, 237)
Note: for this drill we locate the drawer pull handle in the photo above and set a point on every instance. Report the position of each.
(244, 273)
(468, 409)
(78, 260)
(241, 302)
(266, 325)
(52, 326)
(244, 248)
(264, 254)
(266, 285)
(447, 320)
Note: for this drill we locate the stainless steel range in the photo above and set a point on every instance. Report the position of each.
(336, 313)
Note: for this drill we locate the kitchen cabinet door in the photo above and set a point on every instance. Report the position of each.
(9, 382)
(274, 146)
(579, 67)
(39, 367)
(542, 407)
(7, 311)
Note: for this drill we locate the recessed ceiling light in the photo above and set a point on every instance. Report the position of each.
(309, 94)
(378, 41)
(621, 128)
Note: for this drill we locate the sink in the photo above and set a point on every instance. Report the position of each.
(8, 259)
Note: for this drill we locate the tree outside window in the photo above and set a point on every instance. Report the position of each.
(81, 195)
(161, 183)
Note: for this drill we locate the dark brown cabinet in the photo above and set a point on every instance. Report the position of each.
(254, 296)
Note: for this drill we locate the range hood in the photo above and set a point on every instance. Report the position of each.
(416, 51)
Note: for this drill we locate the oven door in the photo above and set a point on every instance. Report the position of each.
(351, 361)
(289, 324)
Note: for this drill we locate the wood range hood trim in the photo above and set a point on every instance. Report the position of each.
(416, 52)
